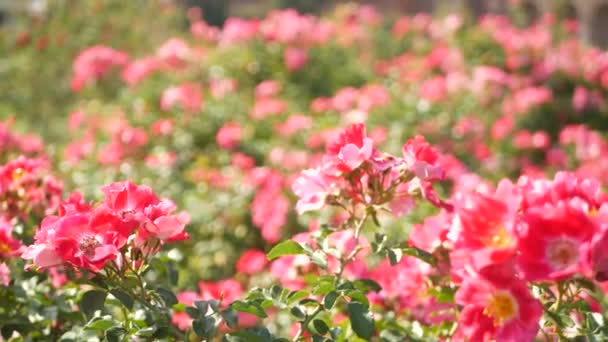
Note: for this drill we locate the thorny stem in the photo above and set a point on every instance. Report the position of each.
(356, 250)
(304, 325)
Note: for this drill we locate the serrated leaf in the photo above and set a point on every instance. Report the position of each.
(192, 312)
(123, 297)
(168, 297)
(361, 320)
(320, 326)
(179, 307)
(147, 332)
(288, 247)
(100, 324)
(323, 287)
(92, 301)
(230, 317)
(295, 296)
(202, 306)
(253, 309)
(276, 291)
(420, 254)
(205, 327)
(198, 327)
(358, 296)
(298, 313)
(367, 285)
(115, 334)
(330, 299)
(214, 304)
(443, 294)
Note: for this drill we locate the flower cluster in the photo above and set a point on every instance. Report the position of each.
(26, 187)
(353, 169)
(502, 241)
(130, 224)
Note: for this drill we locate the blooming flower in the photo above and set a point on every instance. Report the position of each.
(552, 240)
(421, 159)
(497, 307)
(351, 148)
(95, 62)
(251, 262)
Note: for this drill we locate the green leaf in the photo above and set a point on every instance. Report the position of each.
(202, 306)
(367, 285)
(115, 334)
(100, 324)
(288, 247)
(193, 312)
(358, 296)
(205, 327)
(443, 294)
(253, 309)
(179, 307)
(320, 326)
(420, 254)
(394, 256)
(330, 299)
(198, 327)
(295, 296)
(361, 320)
(168, 297)
(324, 286)
(298, 313)
(92, 301)
(319, 258)
(276, 291)
(231, 317)
(147, 332)
(123, 297)
(214, 304)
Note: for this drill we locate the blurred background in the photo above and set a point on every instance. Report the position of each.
(592, 14)
(410, 74)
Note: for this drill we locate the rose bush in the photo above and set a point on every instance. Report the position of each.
(343, 177)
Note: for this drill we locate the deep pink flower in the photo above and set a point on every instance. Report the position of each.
(269, 212)
(9, 246)
(268, 88)
(26, 186)
(497, 307)
(312, 187)
(251, 262)
(552, 240)
(421, 159)
(265, 107)
(136, 71)
(434, 89)
(238, 30)
(294, 124)
(351, 148)
(174, 52)
(229, 135)
(187, 96)
(74, 240)
(5, 274)
(93, 63)
(295, 58)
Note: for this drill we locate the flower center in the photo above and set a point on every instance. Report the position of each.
(17, 174)
(499, 236)
(87, 245)
(5, 248)
(562, 253)
(502, 307)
